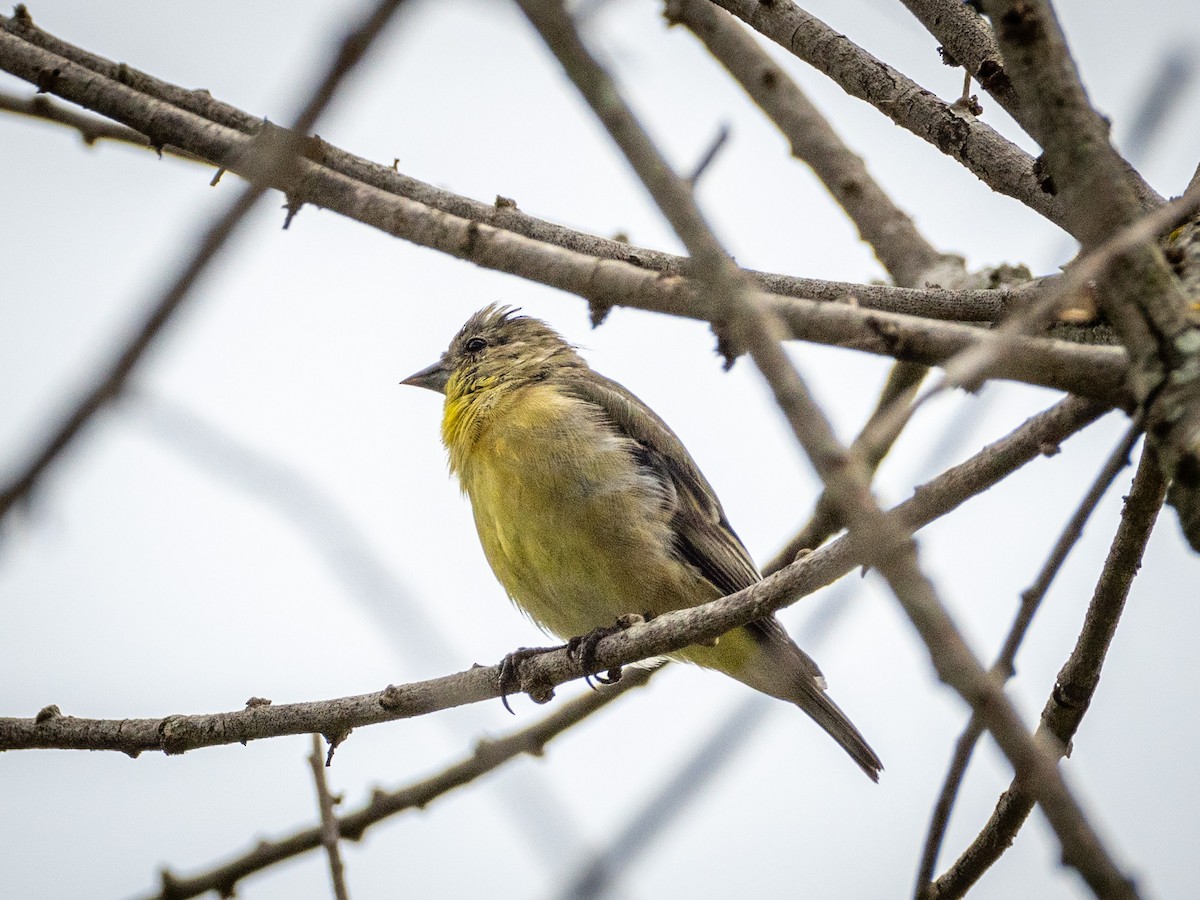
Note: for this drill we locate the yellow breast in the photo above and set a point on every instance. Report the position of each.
(573, 528)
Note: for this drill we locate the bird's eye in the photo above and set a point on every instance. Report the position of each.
(475, 344)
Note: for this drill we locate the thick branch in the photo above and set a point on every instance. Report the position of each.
(967, 40)
(1141, 296)
(1000, 164)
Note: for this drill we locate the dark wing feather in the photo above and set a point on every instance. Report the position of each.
(702, 533)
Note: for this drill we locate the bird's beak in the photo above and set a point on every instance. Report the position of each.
(433, 377)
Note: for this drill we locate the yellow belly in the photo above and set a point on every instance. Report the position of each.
(574, 529)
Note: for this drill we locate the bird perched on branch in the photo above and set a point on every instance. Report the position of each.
(589, 507)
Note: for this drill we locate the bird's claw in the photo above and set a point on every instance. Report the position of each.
(583, 649)
(509, 677)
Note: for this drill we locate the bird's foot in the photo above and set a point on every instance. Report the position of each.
(511, 681)
(583, 648)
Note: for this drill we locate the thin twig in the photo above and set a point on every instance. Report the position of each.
(330, 833)
(1077, 681)
(50, 729)
(739, 318)
(966, 40)
(1003, 667)
(709, 156)
(488, 756)
(272, 161)
(91, 128)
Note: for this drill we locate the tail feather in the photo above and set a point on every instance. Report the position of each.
(762, 656)
(787, 672)
(838, 726)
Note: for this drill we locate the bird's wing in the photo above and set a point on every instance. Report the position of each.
(703, 536)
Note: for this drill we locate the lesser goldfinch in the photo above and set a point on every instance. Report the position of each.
(589, 507)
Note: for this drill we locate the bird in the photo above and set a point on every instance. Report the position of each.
(589, 507)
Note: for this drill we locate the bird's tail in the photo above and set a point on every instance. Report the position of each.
(837, 725)
(762, 656)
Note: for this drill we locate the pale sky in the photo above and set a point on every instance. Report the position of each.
(160, 570)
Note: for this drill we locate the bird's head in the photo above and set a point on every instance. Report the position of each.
(497, 347)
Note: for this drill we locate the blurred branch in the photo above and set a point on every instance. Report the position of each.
(1160, 101)
(907, 256)
(1140, 295)
(91, 128)
(654, 816)
(488, 756)
(330, 834)
(741, 320)
(872, 444)
(50, 729)
(999, 163)
(270, 162)
(1003, 668)
(1077, 681)
(899, 246)
(333, 534)
(664, 806)
(970, 367)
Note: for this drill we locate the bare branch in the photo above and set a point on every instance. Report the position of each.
(890, 548)
(91, 129)
(967, 40)
(970, 367)
(1031, 600)
(1000, 164)
(1088, 371)
(330, 834)
(1077, 681)
(906, 255)
(1140, 296)
(50, 729)
(131, 107)
(488, 756)
(270, 163)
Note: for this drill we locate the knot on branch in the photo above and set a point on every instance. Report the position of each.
(173, 735)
